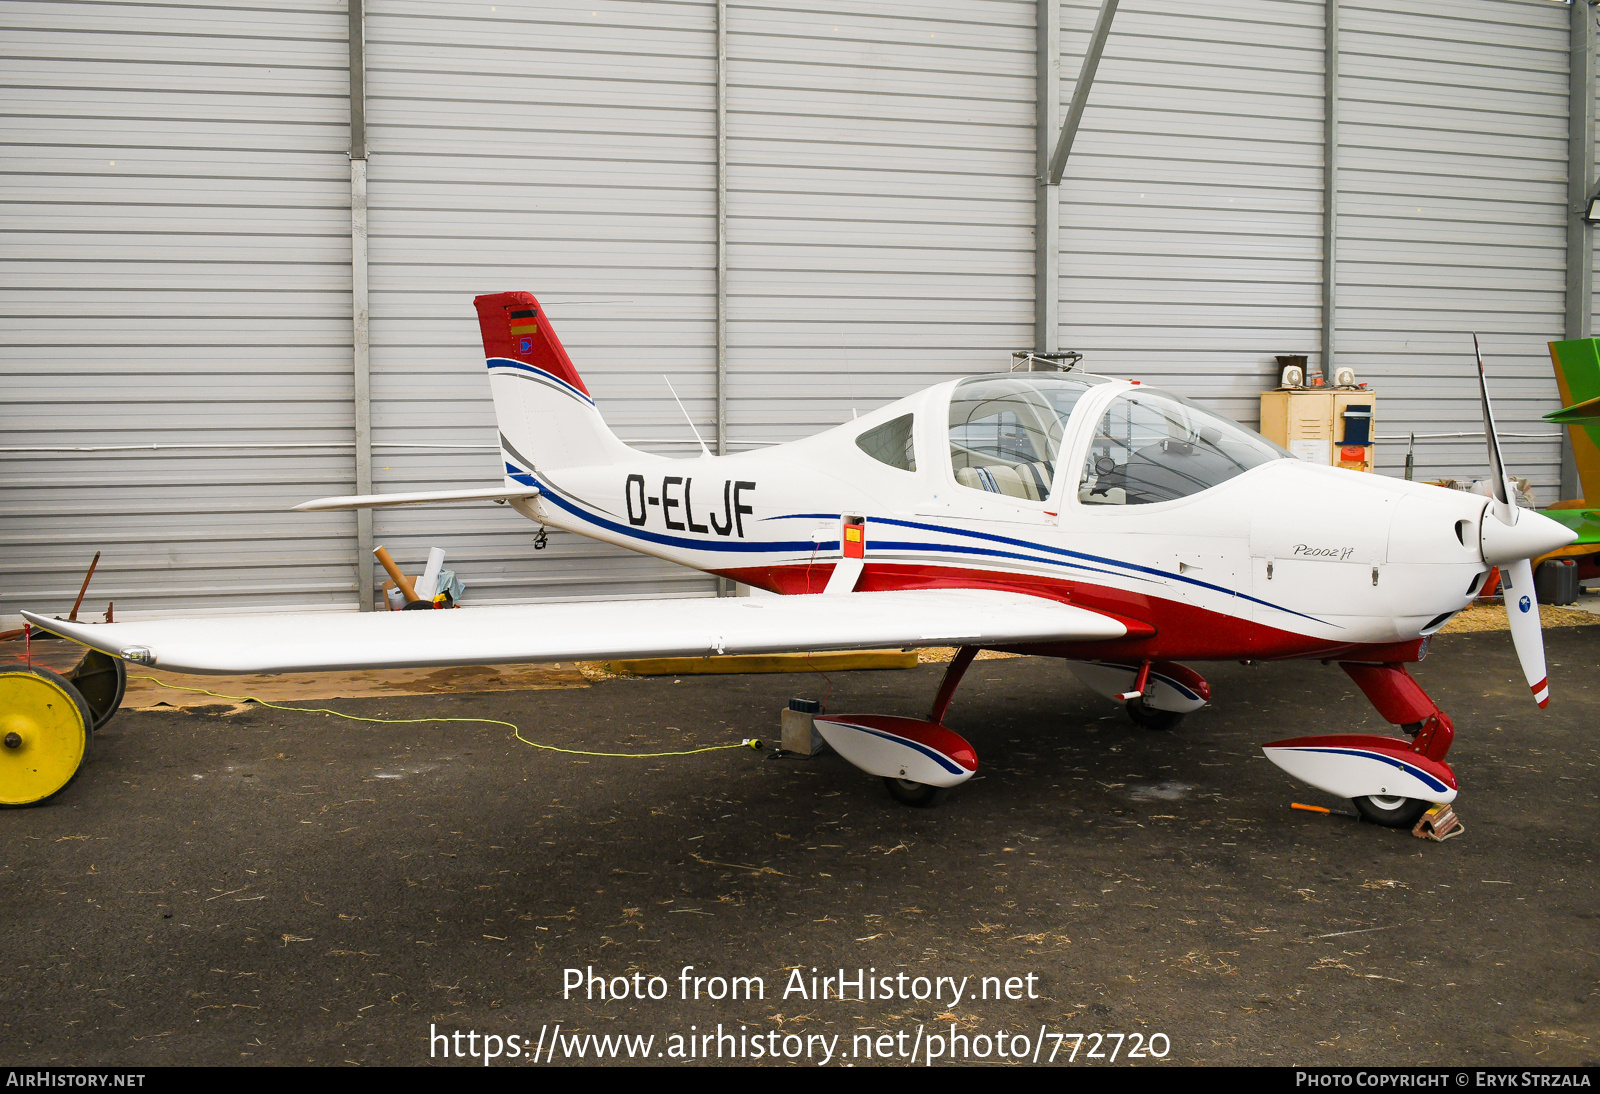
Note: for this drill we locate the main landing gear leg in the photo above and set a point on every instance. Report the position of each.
(918, 759)
(1392, 782)
(921, 795)
(952, 680)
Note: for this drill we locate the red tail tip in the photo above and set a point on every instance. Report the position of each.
(516, 328)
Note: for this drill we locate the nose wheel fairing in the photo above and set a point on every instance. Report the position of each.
(1360, 765)
(1366, 766)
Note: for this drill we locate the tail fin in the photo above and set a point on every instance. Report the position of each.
(1577, 364)
(546, 417)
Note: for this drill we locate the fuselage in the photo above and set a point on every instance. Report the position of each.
(1278, 559)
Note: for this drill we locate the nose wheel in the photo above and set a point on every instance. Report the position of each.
(1391, 812)
(44, 734)
(1148, 717)
(917, 795)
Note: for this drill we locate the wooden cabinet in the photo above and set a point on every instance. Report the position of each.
(1323, 425)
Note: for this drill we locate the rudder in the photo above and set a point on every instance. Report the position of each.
(547, 418)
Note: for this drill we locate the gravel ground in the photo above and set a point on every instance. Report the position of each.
(277, 887)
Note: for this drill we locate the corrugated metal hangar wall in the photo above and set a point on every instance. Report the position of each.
(178, 289)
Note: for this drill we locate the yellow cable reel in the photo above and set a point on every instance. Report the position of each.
(44, 734)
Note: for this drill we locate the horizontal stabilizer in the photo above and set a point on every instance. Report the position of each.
(1584, 413)
(594, 630)
(423, 497)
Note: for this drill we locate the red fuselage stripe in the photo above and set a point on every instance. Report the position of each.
(1158, 627)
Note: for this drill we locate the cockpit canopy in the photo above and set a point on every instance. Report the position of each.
(1151, 446)
(1006, 431)
(1006, 435)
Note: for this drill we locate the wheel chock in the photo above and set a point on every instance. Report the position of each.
(1439, 824)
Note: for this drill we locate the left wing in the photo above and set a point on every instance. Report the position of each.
(308, 641)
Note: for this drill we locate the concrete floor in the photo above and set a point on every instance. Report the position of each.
(1588, 600)
(275, 887)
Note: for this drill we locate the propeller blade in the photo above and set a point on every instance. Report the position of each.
(1503, 509)
(1522, 609)
(1522, 604)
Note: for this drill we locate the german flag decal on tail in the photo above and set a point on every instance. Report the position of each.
(517, 332)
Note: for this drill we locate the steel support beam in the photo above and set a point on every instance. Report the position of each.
(358, 78)
(1080, 92)
(1580, 187)
(724, 586)
(1047, 195)
(1330, 186)
(360, 332)
(722, 227)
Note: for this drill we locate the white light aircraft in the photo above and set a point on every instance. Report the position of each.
(1121, 528)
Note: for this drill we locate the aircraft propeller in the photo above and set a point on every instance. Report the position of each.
(1510, 540)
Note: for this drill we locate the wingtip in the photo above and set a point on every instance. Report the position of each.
(58, 627)
(73, 632)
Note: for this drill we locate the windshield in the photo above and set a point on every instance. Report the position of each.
(1151, 446)
(1005, 431)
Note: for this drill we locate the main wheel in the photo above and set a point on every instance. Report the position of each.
(1143, 714)
(102, 680)
(1391, 812)
(44, 733)
(918, 795)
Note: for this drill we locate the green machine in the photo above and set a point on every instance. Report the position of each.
(1577, 365)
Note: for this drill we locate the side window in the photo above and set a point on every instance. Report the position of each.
(997, 436)
(1152, 447)
(890, 443)
(995, 451)
(1005, 431)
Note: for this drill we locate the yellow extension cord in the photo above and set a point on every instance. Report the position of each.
(748, 742)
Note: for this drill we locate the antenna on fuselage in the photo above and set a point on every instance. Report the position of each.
(686, 417)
